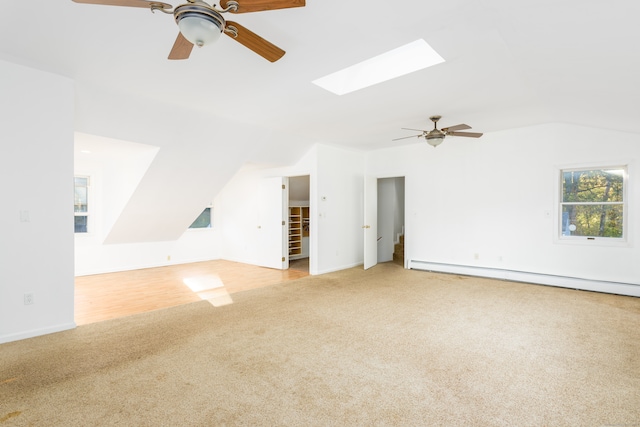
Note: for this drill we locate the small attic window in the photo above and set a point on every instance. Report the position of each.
(203, 220)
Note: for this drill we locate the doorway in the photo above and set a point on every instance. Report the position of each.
(299, 223)
(384, 219)
(391, 220)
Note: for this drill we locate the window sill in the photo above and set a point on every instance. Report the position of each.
(593, 241)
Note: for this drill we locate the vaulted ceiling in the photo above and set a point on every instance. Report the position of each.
(508, 64)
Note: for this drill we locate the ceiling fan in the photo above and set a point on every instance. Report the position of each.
(435, 137)
(201, 24)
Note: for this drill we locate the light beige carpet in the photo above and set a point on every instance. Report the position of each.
(380, 347)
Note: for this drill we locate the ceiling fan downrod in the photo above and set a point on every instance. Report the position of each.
(435, 136)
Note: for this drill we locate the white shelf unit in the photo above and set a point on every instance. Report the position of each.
(298, 228)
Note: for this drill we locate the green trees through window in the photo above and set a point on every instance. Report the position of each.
(593, 202)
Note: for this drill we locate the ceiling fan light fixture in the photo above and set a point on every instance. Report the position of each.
(435, 137)
(199, 24)
(199, 31)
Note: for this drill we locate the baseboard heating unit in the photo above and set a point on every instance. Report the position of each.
(526, 277)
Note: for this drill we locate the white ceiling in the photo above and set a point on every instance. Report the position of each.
(508, 63)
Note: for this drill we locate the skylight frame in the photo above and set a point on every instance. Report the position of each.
(398, 62)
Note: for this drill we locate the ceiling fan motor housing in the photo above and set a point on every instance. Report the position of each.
(199, 23)
(435, 137)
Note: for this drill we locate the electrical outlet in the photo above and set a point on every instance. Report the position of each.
(28, 298)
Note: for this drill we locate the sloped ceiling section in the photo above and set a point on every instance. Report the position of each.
(508, 64)
(197, 155)
(119, 166)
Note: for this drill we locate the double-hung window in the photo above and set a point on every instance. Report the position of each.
(593, 203)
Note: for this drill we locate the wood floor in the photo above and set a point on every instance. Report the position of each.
(107, 296)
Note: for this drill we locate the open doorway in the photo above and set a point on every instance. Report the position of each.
(299, 222)
(391, 219)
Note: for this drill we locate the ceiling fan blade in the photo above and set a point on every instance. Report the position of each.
(468, 134)
(181, 48)
(456, 127)
(419, 130)
(261, 5)
(407, 137)
(251, 40)
(129, 3)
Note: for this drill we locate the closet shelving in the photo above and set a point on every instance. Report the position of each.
(298, 228)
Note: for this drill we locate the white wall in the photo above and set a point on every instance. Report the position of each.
(238, 205)
(116, 168)
(193, 246)
(340, 208)
(36, 217)
(336, 211)
(491, 202)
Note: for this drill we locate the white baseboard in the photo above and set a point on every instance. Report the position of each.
(331, 270)
(119, 269)
(36, 332)
(629, 289)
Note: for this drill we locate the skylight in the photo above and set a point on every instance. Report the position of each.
(398, 62)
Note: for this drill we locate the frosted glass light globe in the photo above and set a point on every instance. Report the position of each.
(199, 29)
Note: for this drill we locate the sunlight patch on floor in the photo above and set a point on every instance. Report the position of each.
(217, 297)
(211, 288)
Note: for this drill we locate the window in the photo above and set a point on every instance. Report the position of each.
(204, 220)
(81, 204)
(593, 203)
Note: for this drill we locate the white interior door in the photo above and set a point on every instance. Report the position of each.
(272, 223)
(370, 227)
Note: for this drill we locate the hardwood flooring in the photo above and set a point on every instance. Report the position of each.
(107, 296)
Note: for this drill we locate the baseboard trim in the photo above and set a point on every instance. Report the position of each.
(36, 332)
(332, 270)
(628, 289)
(92, 272)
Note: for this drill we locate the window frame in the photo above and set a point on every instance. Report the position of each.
(88, 212)
(210, 208)
(624, 240)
